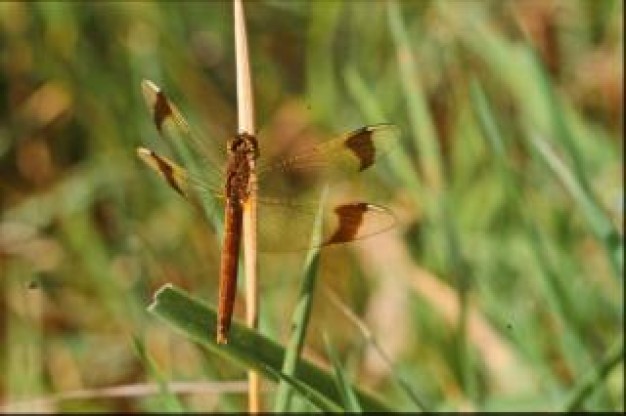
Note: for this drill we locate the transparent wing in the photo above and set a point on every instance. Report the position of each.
(285, 223)
(342, 156)
(192, 188)
(284, 226)
(176, 131)
(177, 177)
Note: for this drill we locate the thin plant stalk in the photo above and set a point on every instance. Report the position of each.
(127, 390)
(371, 339)
(245, 112)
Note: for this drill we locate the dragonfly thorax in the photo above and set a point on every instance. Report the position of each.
(242, 152)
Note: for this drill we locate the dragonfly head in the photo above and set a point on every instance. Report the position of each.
(243, 143)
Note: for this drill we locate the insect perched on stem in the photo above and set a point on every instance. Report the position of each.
(285, 222)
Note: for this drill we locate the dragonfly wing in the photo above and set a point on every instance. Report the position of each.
(285, 226)
(175, 176)
(180, 180)
(348, 154)
(174, 128)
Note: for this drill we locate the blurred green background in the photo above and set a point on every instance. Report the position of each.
(500, 289)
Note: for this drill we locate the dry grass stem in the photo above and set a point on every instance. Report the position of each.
(128, 390)
(245, 111)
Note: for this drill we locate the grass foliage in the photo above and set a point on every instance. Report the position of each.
(500, 289)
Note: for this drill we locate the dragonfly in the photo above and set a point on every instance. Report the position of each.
(286, 217)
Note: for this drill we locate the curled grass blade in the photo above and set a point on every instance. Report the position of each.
(246, 348)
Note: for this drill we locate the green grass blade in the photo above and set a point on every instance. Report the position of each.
(486, 120)
(594, 379)
(369, 337)
(311, 395)
(575, 179)
(560, 128)
(572, 342)
(246, 348)
(321, 88)
(170, 402)
(301, 314)
(398, 160)
(599, 222)
(300, 320)
(437, 201)
(350, 401)
(422, 127)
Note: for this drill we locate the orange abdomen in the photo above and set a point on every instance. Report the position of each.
(228, 268)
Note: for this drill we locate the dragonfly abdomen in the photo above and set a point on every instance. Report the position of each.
(228, 267)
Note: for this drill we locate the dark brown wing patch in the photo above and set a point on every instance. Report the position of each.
(362, 146)
(350, 219)
(287, 226)
(174, 175)
(161, 110)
